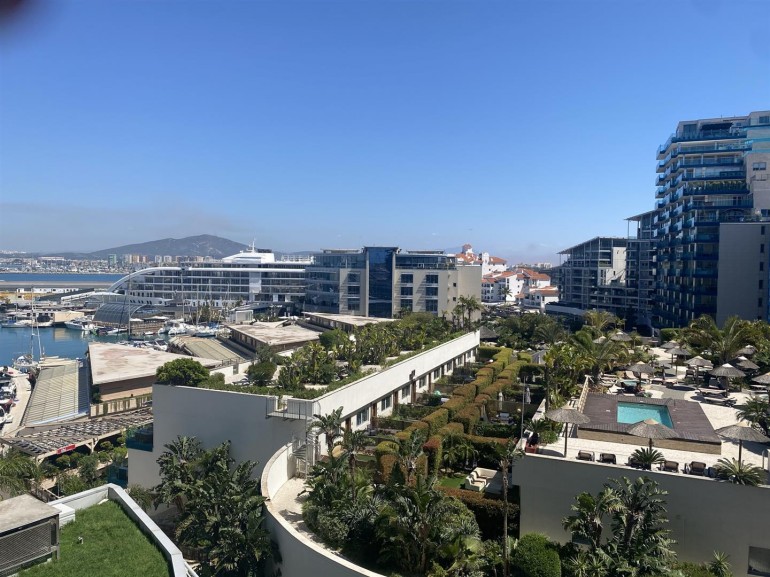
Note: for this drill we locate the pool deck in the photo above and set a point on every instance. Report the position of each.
(718, 416)
(689, 421)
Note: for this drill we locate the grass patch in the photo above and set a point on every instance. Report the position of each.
(113, 546)
(452, 482)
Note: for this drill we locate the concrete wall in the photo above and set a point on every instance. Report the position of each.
(300, 556)
(739, 275)
(704, 515)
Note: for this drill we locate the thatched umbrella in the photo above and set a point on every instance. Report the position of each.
(567, 416)
(651, 429)
(698, 362)
(669, 345)
(678, 352)
(642, 368)
(746, 364)
(762, 379)
(621, 337)
(742, 432)
(727, 370)
(747, 350)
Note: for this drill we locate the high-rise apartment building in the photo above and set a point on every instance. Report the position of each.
(710, 172)
(384, 281)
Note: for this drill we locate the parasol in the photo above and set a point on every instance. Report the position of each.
(567, 416)
(741, 432)
(651, 429)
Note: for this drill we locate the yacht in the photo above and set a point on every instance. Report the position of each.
(254, 275)
(82, 324)
(25, 363)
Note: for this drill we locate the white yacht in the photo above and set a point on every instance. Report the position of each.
(254, 275)
(82, 324)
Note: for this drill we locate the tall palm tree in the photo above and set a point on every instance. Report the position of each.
(757, 412)
(329, 426)
(507, 456)
(598, 356)
(724, 344)
(470, 305)
(15, 469)
(178, 467)
(352, 443)
(600, 321)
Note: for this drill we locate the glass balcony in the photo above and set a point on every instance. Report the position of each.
(140, 439)
(723, 174)
(729, 133)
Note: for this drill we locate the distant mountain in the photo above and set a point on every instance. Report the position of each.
(201, 245)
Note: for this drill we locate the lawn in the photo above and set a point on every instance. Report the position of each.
(452, 482)
(113, 546)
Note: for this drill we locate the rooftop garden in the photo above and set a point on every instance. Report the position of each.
(336, 360)
(103, 541)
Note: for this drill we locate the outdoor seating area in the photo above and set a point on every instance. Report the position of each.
(585, 456)
(481, 479)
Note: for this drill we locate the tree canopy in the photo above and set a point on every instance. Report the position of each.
(182, 372)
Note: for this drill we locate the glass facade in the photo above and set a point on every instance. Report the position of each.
(381, 281)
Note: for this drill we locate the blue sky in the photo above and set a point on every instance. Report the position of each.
(520, 127)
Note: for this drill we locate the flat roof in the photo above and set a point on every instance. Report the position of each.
(23, 510)
(61, 393)
(356, 321)
(111, 363)
(206, 348)
(272, 335)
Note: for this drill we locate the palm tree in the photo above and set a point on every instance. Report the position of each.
(15, 470)
(597, 356)
(600, 321)
(507, 456)
(352, 443)
(329, 426)
(739, 472)
(549, 331)
(757, 412)
(408, 453)
(724, 344)
(178, 470)
(589, 513)
(470, 304)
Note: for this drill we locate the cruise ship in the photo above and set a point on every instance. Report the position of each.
(251, 276)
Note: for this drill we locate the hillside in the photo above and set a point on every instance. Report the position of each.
(201, 245)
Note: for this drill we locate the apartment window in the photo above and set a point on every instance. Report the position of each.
(431, 306)
(362, 417)
(431, 279)
(761, 284)
(385, 403)
(407, 279)
(764, 120)
(354, 277)
(431, 291)
(759, 166)
(421, 383)
(404, 392)
(762, 229)
(436, 373)
(762, 248)
(406, 304)
(406, 291)
(759, 302)
(354, 290)
(761, 266)
(354, 304)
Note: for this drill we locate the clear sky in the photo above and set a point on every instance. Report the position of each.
(520, 127)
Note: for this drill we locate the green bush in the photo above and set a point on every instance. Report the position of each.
(536, 556)
(496, 430)
(455, 404)
(261, 373)
(486, 353)
(488, 511)
(487, 449)
(331, 529)
(433, 448)
(466, 391)
(436, 420)
(693, 570)
(668, 334)
(451, 429)
(468, 416)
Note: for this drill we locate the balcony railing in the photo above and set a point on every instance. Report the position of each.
(708, 135)
(140, 439)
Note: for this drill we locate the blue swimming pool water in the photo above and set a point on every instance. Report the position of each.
(635, 412)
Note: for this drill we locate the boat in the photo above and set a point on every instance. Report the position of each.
(20, 324)
(178, 328)
(254, 275)
(24, 363)
(204, 331)
(82, 324)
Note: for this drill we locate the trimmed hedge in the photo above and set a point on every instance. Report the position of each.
(488, 511)
(407, 433)
(467, 391)
(436, 420)
(451, 429)
(468, 416)
(486, 353)
(455, 404)
(433, 447)
(536, 556)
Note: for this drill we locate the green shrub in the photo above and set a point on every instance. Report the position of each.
(436, 420)
(536, 556)
(486, 353)
(331, 529)
(487, 449)
(466, 391)
(451, 429)
(524, 357)
(693, 570)
(433, 448)
(455, 404)
(497, 430)
(468, 416)
(668, 334)
(488, 511)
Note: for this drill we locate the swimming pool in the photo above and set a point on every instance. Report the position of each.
(634, 412)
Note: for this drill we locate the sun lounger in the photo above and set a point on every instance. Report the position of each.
(585, 456)
(474, 482)
(696, 468)
(670, 466)
(608, 458)
(632, 462)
